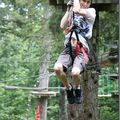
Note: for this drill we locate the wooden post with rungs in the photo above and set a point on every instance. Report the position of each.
(44, 74)
(42, 96)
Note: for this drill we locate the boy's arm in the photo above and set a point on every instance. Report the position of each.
(88, 12)
(78, 9)
(64, 21)
(76, 5)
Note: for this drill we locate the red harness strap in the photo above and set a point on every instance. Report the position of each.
(83, 50)
(37, 117)
(76, 49)
(85, 55)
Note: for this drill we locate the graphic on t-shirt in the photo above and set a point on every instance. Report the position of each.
(81, 25)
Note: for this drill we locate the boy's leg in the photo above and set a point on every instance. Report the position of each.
(64, 60)
(58, 68)
(78, 67)
(76, 76)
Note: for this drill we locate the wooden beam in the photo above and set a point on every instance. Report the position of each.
(99, 5)
(64, 2)
(44, 93)
(100, 1)
(105, 60)
(113, 77)
(105, 1)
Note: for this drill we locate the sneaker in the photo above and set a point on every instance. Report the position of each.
(78, 97)
(70, 96)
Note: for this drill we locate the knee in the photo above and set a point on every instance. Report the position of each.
(58, 68)
(75, 73)
(75, 76)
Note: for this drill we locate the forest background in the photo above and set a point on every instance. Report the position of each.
(23, 49)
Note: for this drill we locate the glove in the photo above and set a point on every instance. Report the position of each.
(70, 3)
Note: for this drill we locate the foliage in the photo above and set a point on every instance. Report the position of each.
(108, 30)
(108, 36)
(108, 111)
(57, 43)
(53, 109)
(54, 23)
(108, 106)
(20, 51)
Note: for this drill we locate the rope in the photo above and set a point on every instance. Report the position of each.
(30, 88)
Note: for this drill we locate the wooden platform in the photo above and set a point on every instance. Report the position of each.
(44, 93)
(105, 95)
(114, 77)
(58, 2)
(99, 5)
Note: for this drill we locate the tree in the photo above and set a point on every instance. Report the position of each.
(21, 48)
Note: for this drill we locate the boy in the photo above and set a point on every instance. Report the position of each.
(77, 24)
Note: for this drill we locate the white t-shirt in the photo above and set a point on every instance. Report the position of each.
(84, 25)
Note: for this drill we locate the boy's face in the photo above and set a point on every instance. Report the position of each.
(85, 3)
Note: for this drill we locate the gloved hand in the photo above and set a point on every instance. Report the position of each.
(70, 3)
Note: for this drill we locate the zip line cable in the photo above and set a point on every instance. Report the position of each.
(41, 75)
(38, 77)
(89, 66)
(48, 75)
(48, 61)
(30, 88)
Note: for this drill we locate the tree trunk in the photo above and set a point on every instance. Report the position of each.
(88, 109)
(62, 104)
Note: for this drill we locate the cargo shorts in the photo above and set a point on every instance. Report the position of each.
(67, 61)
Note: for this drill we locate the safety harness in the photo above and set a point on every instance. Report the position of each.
(79, 45)
(92, 54)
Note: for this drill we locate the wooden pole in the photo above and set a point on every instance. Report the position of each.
(43, 82)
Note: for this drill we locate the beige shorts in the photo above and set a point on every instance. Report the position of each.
(66, 60)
